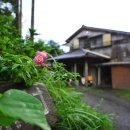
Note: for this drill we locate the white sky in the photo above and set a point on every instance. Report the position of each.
(59, 19)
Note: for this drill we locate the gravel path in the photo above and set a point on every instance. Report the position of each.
(107, 102)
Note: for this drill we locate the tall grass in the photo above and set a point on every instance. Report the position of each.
(72, 113)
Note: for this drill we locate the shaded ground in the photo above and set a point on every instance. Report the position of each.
(107, 102)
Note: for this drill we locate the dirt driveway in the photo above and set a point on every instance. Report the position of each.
(107, 102)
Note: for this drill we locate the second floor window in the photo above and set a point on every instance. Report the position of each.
(96, 42)
(76, 43)
(84, 43)
(106, 39)
(101, 41)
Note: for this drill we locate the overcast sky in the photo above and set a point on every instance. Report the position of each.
(59, 19)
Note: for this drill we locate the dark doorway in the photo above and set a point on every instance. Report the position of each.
(80, 70)
(106, 80)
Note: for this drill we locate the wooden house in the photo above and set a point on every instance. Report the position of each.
(102, 53)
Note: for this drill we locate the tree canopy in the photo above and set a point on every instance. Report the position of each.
(11, 38)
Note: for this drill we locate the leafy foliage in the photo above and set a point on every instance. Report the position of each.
(10, 39)
(16, 104)
(54, 48)
(17, 69)
(50, 47)
(13, 43)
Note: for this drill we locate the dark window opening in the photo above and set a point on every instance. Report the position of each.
(96, 42)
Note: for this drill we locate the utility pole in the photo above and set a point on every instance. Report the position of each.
(19, 15)
(32, 15)
(32, 20)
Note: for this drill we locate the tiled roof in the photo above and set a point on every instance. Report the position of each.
(79, 53)
(96, 29)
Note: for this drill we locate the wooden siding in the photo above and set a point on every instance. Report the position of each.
(116, 37)
(121, 52)
(106, 51)
(121, 77)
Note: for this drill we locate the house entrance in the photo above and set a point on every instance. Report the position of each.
(80, 70)
(106, 79)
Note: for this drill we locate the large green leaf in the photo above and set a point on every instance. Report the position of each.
(21, 105)
(5, 120)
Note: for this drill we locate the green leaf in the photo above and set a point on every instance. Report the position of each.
(0, 95)
(4, 69)
(21, 105)
(29, 76)
(5, 120)
(15, 66)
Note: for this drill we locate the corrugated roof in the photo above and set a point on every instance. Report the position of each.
(78, 53)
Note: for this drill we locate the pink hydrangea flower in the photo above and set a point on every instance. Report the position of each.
(43, 54)
(38, 59)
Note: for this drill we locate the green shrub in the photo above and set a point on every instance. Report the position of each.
(18, 69)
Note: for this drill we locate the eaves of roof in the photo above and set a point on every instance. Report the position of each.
(114, 63)
(95, 29)
(79, 53)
